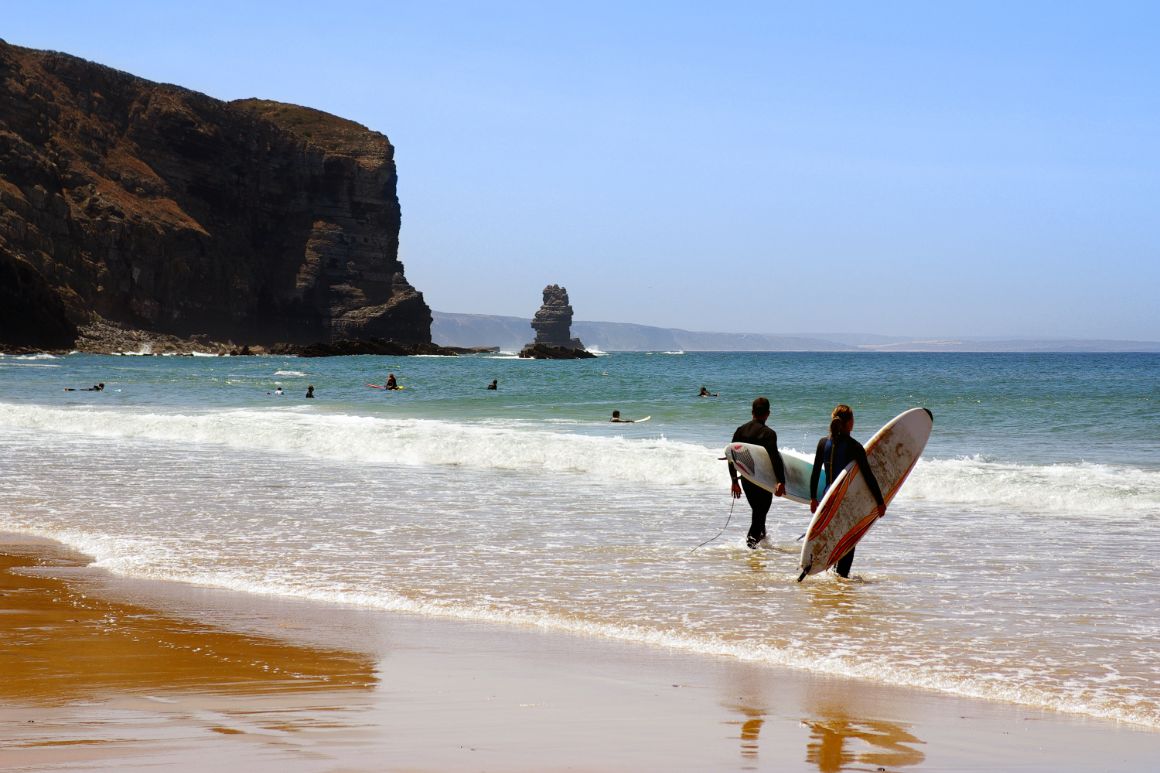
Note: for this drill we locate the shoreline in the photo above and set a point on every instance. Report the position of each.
(112, 672)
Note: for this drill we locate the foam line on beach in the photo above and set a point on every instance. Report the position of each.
(839, 662)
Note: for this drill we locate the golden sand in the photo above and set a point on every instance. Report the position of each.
(118, 675)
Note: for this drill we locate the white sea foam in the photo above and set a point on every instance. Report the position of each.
(296, 373)
(1079, 489)
(486, 445)
(40, 356)
(1082, 490)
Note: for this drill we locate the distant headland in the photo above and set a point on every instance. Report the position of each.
(508, 333)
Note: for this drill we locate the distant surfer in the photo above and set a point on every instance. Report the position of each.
(391, 383)
(759, 499)
(616, 418)
(494, 384)
(835, 451)
(94, 388)
(310, 391)
(706, 393)
(278, 391)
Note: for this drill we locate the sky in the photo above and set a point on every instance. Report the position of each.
(918, 169)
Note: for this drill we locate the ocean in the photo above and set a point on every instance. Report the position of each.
(1017, 563)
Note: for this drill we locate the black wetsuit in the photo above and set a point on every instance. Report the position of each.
(759, 499)
(833, 457)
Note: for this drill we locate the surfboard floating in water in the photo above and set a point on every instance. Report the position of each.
(847, 511)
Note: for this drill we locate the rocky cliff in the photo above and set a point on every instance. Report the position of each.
(161, 209)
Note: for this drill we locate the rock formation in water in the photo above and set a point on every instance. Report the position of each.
(553, 326)
(148, 208)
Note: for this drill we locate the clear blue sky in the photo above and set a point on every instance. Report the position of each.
(922, 169)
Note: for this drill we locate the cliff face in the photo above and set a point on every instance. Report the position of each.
(166, 210)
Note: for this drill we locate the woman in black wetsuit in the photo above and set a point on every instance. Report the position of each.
(835, 451)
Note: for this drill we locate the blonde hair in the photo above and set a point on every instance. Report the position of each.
(838, 420)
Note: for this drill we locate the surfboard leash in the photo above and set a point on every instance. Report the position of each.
(723, 528)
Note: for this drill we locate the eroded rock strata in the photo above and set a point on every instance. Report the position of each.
(164, 211)
(553, 326)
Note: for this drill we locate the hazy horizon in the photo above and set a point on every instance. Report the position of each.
(920, 170)
(512, 332)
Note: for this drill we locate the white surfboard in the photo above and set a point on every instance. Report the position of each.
(848, 509)
(753, 464)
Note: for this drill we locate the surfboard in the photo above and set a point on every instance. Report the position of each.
(380, 386)
(753, 464)
(639, 421)
(847, 511)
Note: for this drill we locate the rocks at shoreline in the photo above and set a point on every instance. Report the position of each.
(549, 352)
(373, 346)
(104, 337)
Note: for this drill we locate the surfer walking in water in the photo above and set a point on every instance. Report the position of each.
(755, 432)
(835, 451)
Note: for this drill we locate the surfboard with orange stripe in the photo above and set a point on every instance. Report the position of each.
(848, 509)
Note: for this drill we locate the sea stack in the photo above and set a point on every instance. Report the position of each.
(553, 326)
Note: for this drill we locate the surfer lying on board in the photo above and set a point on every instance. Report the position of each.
(94, 388)
(759, 499)
(616, 418)
(835, 451)
(706, 393)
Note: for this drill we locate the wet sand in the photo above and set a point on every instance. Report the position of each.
(102, 673)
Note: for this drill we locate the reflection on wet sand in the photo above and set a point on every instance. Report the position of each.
(59, 645)
(750, 729)
(838, 742)
(752, 704)
(88, 682)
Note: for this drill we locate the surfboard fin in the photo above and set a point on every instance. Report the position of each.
(802, 576)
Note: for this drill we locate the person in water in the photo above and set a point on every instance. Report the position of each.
(835, 451)
(278, 391)
(94, 388)
(706, 393)
(755, 432)
(494, 384)
(310, 391)
(391, 383)
(616, 418)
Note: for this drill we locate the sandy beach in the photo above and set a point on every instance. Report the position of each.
(102, 673)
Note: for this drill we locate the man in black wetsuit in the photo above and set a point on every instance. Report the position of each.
(759, 499)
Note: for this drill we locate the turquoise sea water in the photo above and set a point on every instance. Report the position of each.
(1015, 564)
